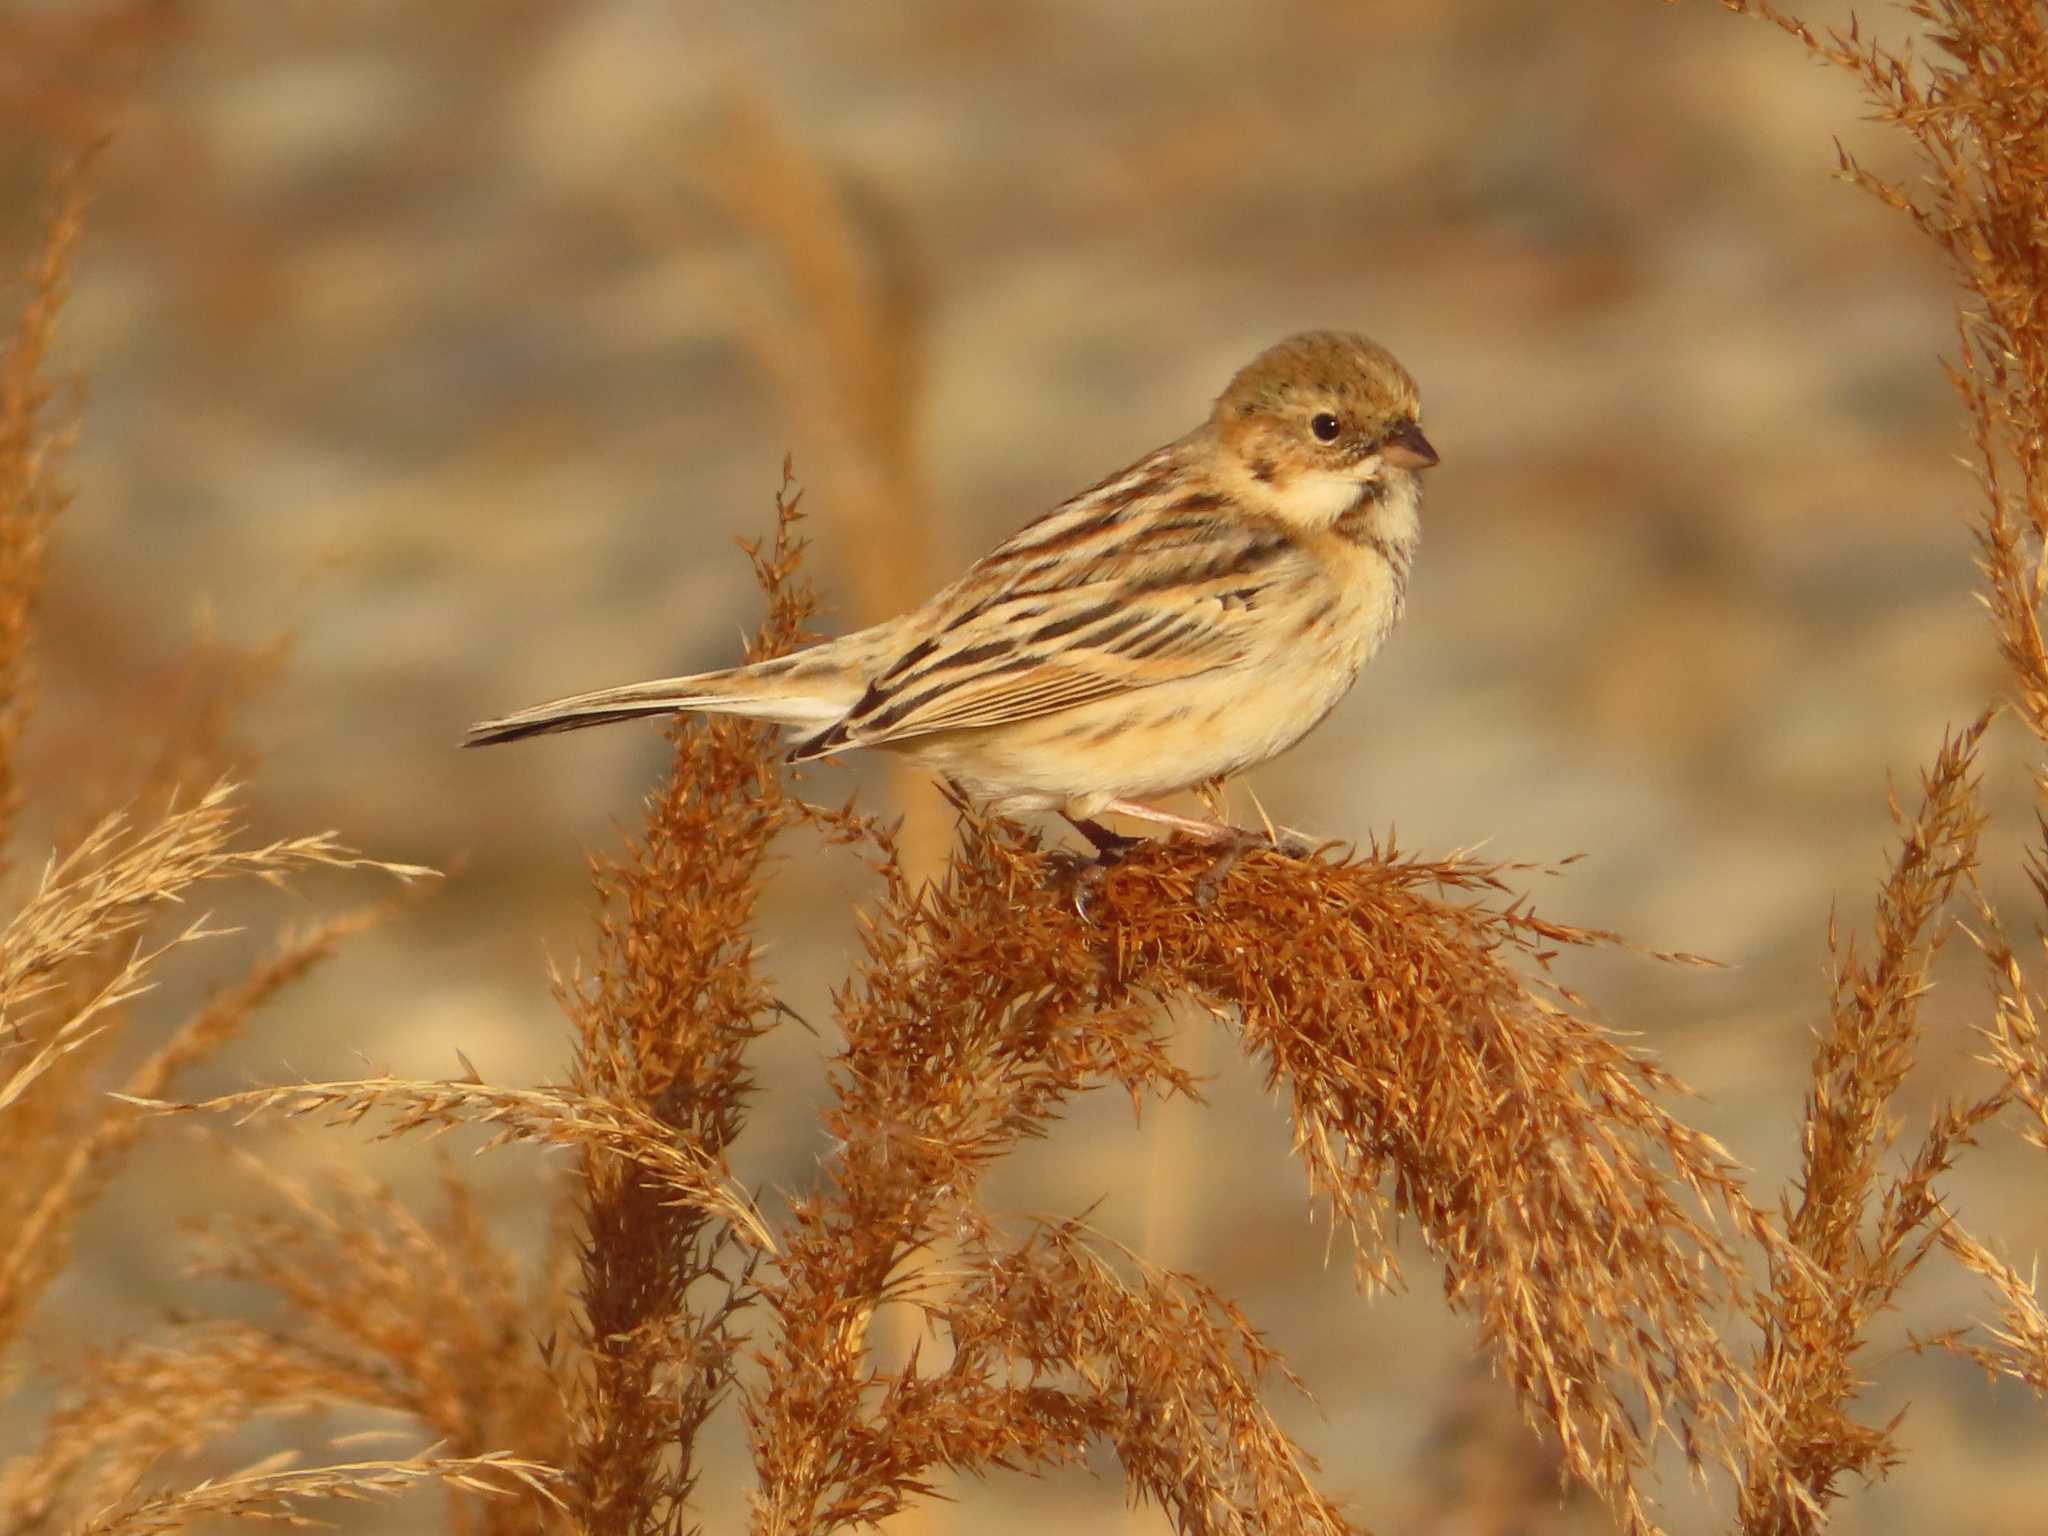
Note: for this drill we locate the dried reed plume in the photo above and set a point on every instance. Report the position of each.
(1427, 1077)
(1972, 111)
(33, 444)
(80, 949)
(268, 1493)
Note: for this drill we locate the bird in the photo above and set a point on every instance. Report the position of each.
(1186, 618)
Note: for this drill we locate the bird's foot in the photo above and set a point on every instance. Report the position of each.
(1086, 875)
(1236, 844)
(1230, 844)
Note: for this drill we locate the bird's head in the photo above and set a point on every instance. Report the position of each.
(1315, 423)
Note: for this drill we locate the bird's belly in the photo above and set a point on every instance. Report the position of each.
(1142, 744)
(1153, 741)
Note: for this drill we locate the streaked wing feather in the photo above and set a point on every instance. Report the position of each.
(999, 701)
(1015, 640)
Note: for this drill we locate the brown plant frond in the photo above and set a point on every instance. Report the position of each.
(2018, 1344)
(960, 1041)
(281, 1496)
(662, 1027)
(1164, 1370)
(1051, 1349)
(419, 1315)
(1971, 104)
(2013, 1040)
(119, 876)
(678, 1174)
(38, 1231)
(1427, 1078)
(1816, 1312)
(127, 1412)
(33, 448)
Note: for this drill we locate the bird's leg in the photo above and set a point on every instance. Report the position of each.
(1109, 846)
(1201, 831)
(1231, 843)
(1218, 834)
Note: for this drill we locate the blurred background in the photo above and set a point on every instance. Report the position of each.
(456, 344)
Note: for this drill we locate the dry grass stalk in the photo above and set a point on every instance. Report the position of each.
(384, 1310)
(661, 1026)
(110, 885)
(82, 945)
(126, 1413)
(679, 1174)
(73, 957)
(279, 1495)
(1858, 1233)
(1972, 109)
(38, 1242)
(33, 448)
(115, 879)
(77, 950)
(421, 1316)
(63, 982)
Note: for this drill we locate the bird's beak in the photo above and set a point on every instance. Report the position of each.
(1406, 448)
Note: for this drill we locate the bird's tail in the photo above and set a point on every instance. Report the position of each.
(811, 688)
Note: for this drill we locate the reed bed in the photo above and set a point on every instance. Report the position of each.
(1615, 1266)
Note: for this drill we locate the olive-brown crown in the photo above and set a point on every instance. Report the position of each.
(1339, 372)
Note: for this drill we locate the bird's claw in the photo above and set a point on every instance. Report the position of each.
(1083, 874)
(1087, 881)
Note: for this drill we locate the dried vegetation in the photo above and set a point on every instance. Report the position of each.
(1617, 1271)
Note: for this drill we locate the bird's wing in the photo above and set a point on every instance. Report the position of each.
(1069, 617)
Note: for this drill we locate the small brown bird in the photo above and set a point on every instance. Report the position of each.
(1187, 618)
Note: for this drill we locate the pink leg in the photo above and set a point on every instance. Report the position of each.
(1201, 831)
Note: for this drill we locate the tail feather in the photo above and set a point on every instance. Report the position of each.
(761, 692)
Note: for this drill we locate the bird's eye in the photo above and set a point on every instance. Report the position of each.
(1325, 426)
